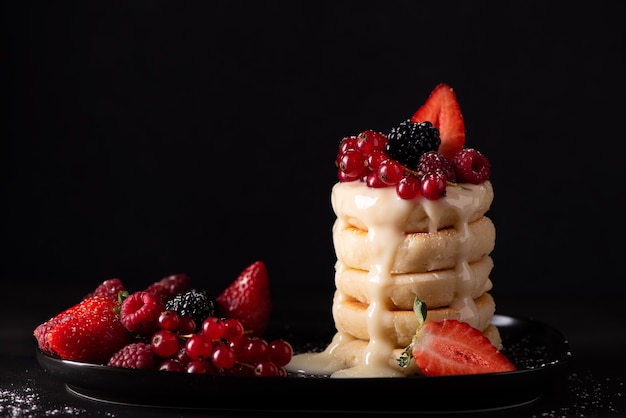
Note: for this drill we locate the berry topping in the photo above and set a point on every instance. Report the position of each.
(140, 313)
(452, 347)
(247, 299)
(443, 111)
(471, 166)
(419, 156)
(408, 141)
(90, 331)
(134, 356)
(196, 304)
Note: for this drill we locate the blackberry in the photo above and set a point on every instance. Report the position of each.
(195, 303)
(409, 140)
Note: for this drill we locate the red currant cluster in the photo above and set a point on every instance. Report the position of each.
(219, 346)
(363, 158)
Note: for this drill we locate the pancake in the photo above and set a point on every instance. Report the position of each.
(417, 252)
(436, 288)
(354, 202)
(351, 317)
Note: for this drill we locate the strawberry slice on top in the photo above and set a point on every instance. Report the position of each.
(247, 299)
(443, 111)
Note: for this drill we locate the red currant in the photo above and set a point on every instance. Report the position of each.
(213, 328)
(434, 185)
(233, 329)
(199, 347)
(171, 365)
(352, 163)
(266, 368)
(280, 352)
(164, 343)
(168, 320)
(390, 172)
(223, 356)
(408, 188)
(369, 140)
(186, 325)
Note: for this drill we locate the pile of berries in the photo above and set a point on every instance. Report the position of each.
(217, 346)
(417, 168)
(172, 326)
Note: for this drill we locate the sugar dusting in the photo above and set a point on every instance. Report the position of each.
(590, 396)
(25, 401)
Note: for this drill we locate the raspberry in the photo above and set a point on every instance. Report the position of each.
(471, 166)
(108, 288)
(170, 286)
(140, 313)
(134, 356)
(432, 161)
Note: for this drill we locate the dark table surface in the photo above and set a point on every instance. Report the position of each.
(593, 385)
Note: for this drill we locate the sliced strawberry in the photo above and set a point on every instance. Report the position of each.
(247, 299)
(443, 111)
(90, 331)
(452, 347)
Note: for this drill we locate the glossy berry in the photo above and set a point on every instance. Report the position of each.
(233, 329)
(186, 325)
(390, 172)
(433, 186)
(199, 347)
(280, 352)
(213, 328)
(352, 163)
(171, 365)
(223, 356)
(409, 187)
(169, 320)
(369, 141)
(164, 343)
(266, 368)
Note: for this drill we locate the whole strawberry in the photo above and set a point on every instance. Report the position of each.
(89, 331)
(247, 299)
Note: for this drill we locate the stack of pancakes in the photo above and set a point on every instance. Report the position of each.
(390, 251)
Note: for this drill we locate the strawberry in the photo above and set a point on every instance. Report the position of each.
(443, 111)
(89, 331)
(247, 299)
(452, 347)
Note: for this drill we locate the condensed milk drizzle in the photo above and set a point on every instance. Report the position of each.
(387, 220)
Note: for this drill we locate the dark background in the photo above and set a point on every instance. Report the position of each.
(145, 138)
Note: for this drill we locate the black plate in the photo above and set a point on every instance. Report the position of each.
(540, 353)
